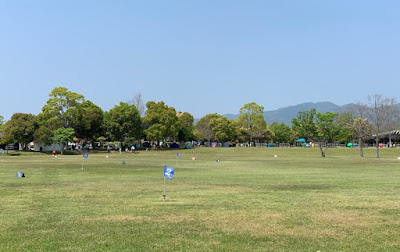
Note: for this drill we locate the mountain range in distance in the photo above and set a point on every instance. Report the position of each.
(286, 114)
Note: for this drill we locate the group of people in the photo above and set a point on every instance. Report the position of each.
(120, 149)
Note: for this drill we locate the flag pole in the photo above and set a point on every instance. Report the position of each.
(164, 190)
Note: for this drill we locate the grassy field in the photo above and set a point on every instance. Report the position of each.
(250, 201)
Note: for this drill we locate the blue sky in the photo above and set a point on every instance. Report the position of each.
(198, 56)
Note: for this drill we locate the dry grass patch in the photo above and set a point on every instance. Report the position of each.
(348, 218)
(117, 218)
(263, 224)
(241, 221)
(158, 219)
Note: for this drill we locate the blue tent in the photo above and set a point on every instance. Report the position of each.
(174, 146)
(301, 140)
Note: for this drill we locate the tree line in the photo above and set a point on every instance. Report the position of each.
(68, 116)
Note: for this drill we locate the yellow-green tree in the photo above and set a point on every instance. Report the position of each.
(55, 112)
(251, 118)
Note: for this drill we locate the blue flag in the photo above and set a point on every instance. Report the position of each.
(85, 155)
(20, 175)
(168, 172)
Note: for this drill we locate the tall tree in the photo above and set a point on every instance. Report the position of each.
(359, 110)
(282, 132)
(123, 121)
(345, 124)
(304, 124)
(54, 114)
(86, 119)
(63, 136)
(263, 132)
(203, 129)
(21, 128)
(327, 130)
(1, 123)
(240, 132)
(43, 135)
(137, 101)
(381, 112)
(252, 118)
(186, 131)
(223, 129)
(160, 113)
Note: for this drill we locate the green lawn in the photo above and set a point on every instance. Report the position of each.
(250, 201)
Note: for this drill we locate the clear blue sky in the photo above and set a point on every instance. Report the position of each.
(198, 56)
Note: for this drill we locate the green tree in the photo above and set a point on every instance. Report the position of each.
(43, 135)
(282, 132)
(223, 129)
(327, 130)
(2, 121)
(159, 113)
(54, 113)
(123, 121)
(203, 129)
(63, 136)
(155, 132)
(86, 119)
(345, 123)
(252, 118)
(264, 132)
(304, 124)
(186, 131)
(240, 132)
(21, 128)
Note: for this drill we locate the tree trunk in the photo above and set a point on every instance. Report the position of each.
(377, 147)
(251, 136)
(322, 150)
(360, 143)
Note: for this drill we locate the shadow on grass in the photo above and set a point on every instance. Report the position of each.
(14, 154)
(301, 187)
